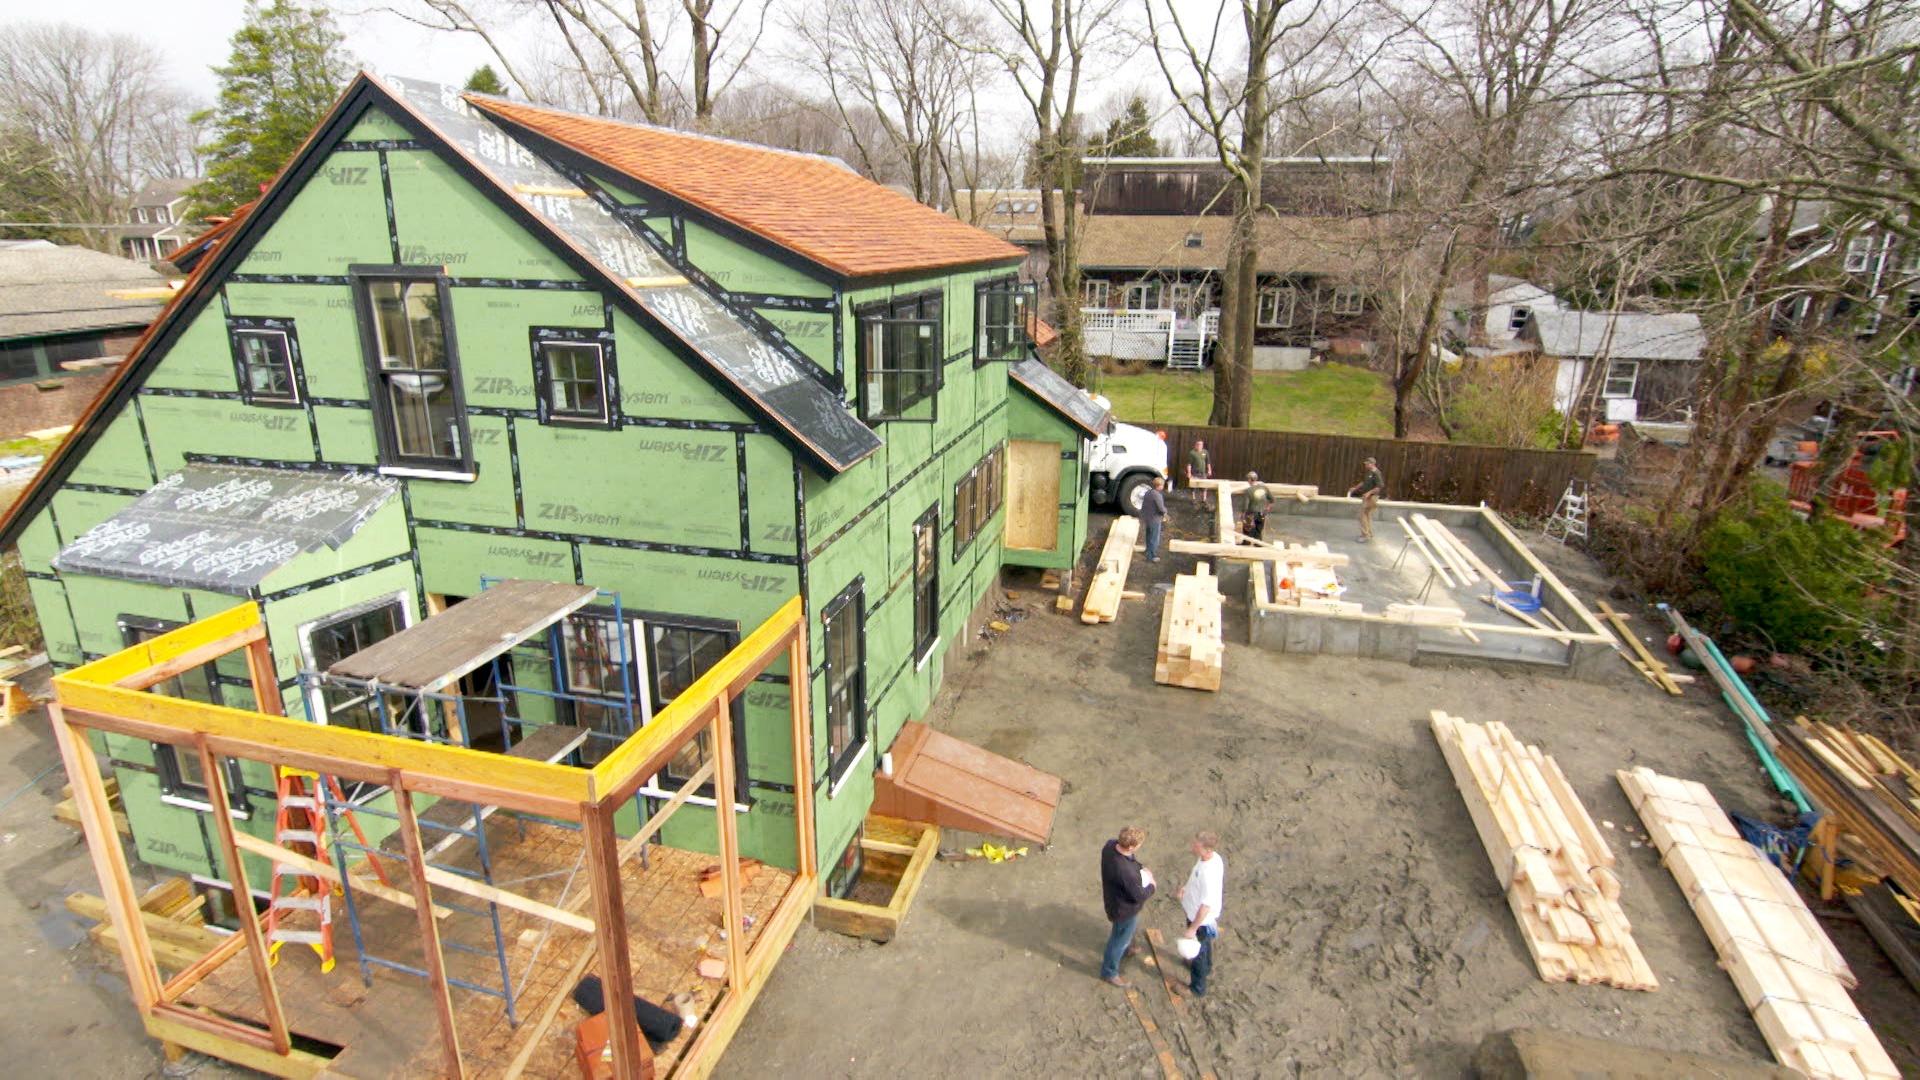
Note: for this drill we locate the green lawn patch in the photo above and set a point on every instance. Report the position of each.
(1332, 399)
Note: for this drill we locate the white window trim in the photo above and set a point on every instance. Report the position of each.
(866, 750)
(1094, 293)
(316, 705)
(286, 348)
(1358, 306)
(426, 474)
(1283, 297)
(555, 416)
(1517, 317)
(202, 806)
(652, 791)
(933, 646)
(1606, 376)
(1859, 257)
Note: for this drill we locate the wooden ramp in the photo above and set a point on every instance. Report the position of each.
(943, 781)
(1190, 649)
(1787, 971)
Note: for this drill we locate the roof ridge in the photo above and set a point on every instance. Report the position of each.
(662, 129)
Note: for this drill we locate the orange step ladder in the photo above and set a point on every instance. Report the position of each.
(299, 825)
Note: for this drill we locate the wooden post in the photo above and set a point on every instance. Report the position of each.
(723, 794)
(243, 896)
(800, 690)
(266, 686)
(632, 1058)
(429, 928)
(109, 860)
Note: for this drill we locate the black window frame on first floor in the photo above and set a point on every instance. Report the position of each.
(976, 498)
(244, 329)
(1003, 313)
(544, 341)
(845, 682)
(680, 768)
(908, 335)
(180, 786)
(382, 379)
(924, 582)
(321, 708)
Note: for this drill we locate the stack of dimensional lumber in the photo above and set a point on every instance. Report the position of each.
(176, 924)
(13, 699)
(1873, 792)
(1190, 651)
(1555, 866)
(1788, 973)
(1110, 577)
(66, 812)
(1449, 551)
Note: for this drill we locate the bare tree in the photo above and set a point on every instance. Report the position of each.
(86, 104)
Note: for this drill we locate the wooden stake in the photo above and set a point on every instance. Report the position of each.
(216, 782)
(632, 1058)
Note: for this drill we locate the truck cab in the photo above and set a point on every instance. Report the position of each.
(1121, 462)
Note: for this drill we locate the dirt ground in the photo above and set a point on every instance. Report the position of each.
(1363, 933)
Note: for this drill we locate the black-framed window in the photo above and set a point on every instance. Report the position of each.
(678, 652)
(340, 635)
(573, 373)
(413, 368)
(992, 471)
(181, 773)
(266, 361)
(599, 667)
(900, 351)
(926, 582)
(1003, 318)
(843, 637)
(966, 495)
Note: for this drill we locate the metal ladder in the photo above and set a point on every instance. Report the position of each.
(1569, 519)
(299, 819)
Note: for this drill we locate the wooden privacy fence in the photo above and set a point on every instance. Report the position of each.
(1509, 480)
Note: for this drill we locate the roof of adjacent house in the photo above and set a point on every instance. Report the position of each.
(1288, 245)
(1624, 335)
(163, 190)
(52, 289)
(1013, 214)
(810, 205)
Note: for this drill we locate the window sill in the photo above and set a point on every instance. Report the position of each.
(427, 474)
(652, 792)
(920, 662)
(866, 749)
(202, 806)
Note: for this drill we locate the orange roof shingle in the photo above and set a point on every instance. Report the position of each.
(810, 205)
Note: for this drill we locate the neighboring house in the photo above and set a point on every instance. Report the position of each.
(701, 375)
(157, 220)
(67, 316)
(1154, 242)
(1013, 215)
(1650, 361)
(1500, 322)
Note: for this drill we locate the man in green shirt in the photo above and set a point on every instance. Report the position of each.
(1258, 501)
(1369, 489)
(1199, 467)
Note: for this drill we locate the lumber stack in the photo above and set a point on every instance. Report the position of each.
(1190, 651)
(66, 812)
(1443, 547)
(1110, 576)
(1788, 972)
(1556, 868)
(175, 921)
(1870, 792)
(14, 701)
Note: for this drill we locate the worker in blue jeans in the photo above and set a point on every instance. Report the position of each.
(1201, 899)
(1153, 515)
(1125, 886)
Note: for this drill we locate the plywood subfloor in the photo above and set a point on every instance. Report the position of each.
(388, 1029)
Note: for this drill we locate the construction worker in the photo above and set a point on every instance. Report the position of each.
(1369, 489)
(1125, 886)
(1200, 900)
(1153, 515)
(1200, 467)
(1258, 501)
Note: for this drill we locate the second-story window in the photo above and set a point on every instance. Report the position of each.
(573, 374)
(900, 344)
(1003, 313)
(413, 370)
(265, 360)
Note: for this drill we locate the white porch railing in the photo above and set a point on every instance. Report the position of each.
(1149, 334)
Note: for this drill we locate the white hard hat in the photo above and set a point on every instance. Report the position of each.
(1189, 947)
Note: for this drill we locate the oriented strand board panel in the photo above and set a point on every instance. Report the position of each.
(1787, 970)
(940, 779)
(1033, 494)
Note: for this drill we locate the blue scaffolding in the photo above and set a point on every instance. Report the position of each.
(410, 712)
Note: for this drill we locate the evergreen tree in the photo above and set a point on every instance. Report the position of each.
(286, 68)
(485, 80)
(1131, 133)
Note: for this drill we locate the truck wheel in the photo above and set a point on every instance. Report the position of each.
(1132, 490)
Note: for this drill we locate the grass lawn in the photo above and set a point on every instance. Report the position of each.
(1334, 399)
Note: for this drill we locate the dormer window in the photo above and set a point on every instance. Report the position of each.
(161, 216)
(140, 215)
(1193, 240)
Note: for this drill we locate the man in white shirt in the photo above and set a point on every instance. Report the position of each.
(1201, 898)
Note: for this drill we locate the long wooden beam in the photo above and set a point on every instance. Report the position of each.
(1259, 553)
(192, 974)
(429, 928)
(800, 706)
(192, 658)
(632, 1058)
(273, 852)
(158, 650)
(480, 890)
(686, 791)
(730, 899)
(214, 776)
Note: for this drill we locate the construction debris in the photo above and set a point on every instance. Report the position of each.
(14, 701)
(1640, 659)
(1759, 725)
(1788, 973)
(67, 813)
(1870, 794)
(174, 918)
(1110, 577)
(1190, 652)
(1555, 866)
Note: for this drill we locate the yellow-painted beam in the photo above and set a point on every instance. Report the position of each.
(137, 658)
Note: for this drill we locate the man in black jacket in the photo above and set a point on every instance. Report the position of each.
(1124, 888)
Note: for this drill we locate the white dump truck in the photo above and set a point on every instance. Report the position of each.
(1121, 462)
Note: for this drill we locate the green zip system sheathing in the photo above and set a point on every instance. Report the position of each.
(1027, 418)
(690, 507)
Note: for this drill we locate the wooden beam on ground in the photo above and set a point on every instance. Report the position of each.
(1161, 1051)
(1563, 636)
(1110, 577)
(1292, 556)
(1444, 546)
(429, 928)
(1655, 669)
